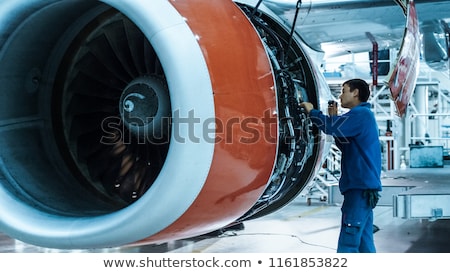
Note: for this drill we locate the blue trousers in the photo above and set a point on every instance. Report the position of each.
(356, 233)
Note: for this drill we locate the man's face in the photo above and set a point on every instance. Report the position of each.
(348, 98)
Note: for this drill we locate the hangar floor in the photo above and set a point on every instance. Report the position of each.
(312, 228)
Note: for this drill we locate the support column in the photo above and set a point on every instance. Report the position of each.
(421, 103)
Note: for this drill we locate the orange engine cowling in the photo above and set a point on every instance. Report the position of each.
(133, 122)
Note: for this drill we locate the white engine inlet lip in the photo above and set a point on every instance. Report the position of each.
(177, 185)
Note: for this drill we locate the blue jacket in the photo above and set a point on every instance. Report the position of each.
(356, 135)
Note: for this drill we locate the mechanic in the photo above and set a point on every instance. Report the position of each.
(356, 135)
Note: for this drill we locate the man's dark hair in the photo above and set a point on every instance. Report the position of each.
(362, 86)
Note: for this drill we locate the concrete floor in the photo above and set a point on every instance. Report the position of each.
(300, 227)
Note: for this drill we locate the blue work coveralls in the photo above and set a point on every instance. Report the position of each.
(356, 135)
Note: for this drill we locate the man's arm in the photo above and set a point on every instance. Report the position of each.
(332, 107)
(331, 124)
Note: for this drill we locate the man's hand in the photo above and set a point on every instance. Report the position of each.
(332, 108)
(307, 106)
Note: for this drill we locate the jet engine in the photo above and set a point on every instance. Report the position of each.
(141, 122)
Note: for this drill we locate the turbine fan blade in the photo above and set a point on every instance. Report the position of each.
(116, 54)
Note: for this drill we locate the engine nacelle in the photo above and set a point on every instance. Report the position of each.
(134, 122)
